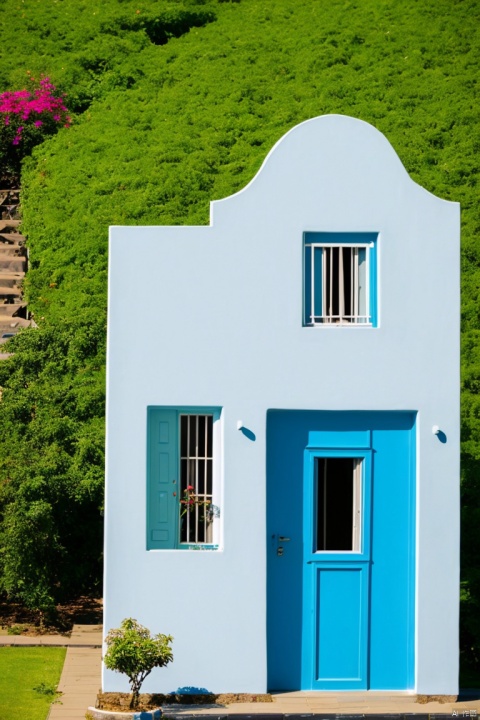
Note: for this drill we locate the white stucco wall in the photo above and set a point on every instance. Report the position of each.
(219, 323)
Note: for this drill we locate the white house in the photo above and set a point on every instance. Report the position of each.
(282, 487)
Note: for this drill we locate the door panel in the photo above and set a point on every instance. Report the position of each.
(393, 557)
(340, 647)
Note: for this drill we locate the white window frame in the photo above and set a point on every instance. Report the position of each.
(196, 508)
(327, 288)
(213, 541)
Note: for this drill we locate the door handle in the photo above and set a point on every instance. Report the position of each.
(281, 539)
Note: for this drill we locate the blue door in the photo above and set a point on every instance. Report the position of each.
(340, 523)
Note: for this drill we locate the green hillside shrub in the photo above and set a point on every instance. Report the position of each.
(52, 463)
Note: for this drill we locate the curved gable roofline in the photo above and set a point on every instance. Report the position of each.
(329, 152)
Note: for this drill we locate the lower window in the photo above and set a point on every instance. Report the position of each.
(182, 478)
(196, 476)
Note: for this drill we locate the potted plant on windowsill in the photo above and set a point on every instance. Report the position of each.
(190, 500)
(196, 511)
(133, 651)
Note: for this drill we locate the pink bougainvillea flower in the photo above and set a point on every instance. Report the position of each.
(33, 108)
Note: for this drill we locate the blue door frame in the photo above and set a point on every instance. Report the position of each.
(341, 620)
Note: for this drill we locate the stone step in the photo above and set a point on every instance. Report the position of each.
(13, 324)
(12, 249)
(11, 275)
(6, 223)
(9, 196)
(9, 211)
(13, 237)
(11, 280)
(7, 332)
(6, 291)
(11, 309)
(12, 263)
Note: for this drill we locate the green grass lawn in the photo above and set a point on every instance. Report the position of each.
(21, 670)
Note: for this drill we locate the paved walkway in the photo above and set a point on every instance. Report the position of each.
(80, 683)
(82, 636)
(80, 679)
(351, 703)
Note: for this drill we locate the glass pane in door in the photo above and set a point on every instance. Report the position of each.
(338, 504)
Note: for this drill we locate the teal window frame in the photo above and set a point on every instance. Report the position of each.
(315, 246)
(164, 494)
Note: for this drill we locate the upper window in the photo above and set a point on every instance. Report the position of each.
(182, 478)
(340, 279)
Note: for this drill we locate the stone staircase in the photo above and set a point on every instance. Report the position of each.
(13, 266)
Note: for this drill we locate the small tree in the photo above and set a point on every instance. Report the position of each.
(134, 652)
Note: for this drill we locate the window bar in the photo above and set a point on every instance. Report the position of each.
(352, 279)
(367, 284)
(324, 285)
(355, 288)
(341, 286)
(312, 285)
(323, 260)
(192, 473)
(330, 308)
(196, 478)
(205, 454)
(187, 537)
(209, 491)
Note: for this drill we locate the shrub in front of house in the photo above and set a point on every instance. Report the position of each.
(134, 652)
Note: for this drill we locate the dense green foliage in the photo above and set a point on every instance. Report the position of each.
(164, 127)
(133, 651)
(52, 462)
(28, 679)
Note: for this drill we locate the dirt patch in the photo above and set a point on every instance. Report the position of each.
(121, 701)
(18, 620)
(424, 699)
(228, 698)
